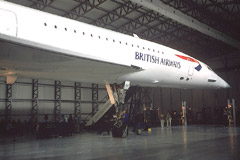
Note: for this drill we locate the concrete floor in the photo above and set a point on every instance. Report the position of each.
(193, 142)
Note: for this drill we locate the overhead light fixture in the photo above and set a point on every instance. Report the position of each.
(156, 81)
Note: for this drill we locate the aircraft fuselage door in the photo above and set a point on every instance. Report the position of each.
(9, 26)
(191, 70)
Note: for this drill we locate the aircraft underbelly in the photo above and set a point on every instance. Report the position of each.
(26, 60)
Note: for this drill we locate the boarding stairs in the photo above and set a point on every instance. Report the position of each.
(115, 97)
(99, 114)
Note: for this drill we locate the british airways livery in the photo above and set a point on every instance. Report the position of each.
(53, 47)
(198, 68)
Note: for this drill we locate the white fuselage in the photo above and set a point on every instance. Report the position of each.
(158, 65)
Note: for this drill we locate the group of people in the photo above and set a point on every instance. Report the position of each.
(168, 119)
(118, 123)
(17, 128)
(30, 127)
(143, 120)
(76, 121)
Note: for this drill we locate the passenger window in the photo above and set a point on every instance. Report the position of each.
(45, 24)
(55, 26)
(65, 29)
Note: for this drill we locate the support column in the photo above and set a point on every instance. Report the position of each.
(231, 111)
(34, 111)
(138, 99)
(184, 110)
(8, 109)
(170, 99)
(161, 101)
(77, 93)
(94, 98)
(203, 100)
(192, 99)
(57, 104)
(234, 112)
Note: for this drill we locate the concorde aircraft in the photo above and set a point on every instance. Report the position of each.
(35, 44)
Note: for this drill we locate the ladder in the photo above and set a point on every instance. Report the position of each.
(101, 111)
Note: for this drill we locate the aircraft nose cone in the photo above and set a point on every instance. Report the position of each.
(224, 84)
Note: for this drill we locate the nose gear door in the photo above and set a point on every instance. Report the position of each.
(191, 70)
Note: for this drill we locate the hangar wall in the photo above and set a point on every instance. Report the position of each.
(22, 98)
(167, 99)
(170, 99)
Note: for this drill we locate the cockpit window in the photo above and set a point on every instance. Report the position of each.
(209, 68)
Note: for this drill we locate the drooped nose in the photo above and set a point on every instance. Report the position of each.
(226, 85)
(223, 84)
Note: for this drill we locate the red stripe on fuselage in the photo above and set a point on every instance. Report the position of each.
(187, 58)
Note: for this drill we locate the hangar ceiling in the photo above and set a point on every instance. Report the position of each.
(128, 17)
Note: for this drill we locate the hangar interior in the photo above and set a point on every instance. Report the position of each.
(214, 41)
(30, 98)
(207, 30)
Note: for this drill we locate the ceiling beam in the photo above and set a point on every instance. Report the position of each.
(188, 21)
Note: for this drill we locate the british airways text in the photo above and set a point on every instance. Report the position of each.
(157, 60)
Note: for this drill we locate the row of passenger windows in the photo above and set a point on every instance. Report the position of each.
(99, 37)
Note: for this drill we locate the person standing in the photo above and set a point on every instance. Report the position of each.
(124, 118)
(46, 118)
(138, 121)
(146, 115)
(162, 120)
(225, 118)
(169, 120)
(77, 120)
(70, 119)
